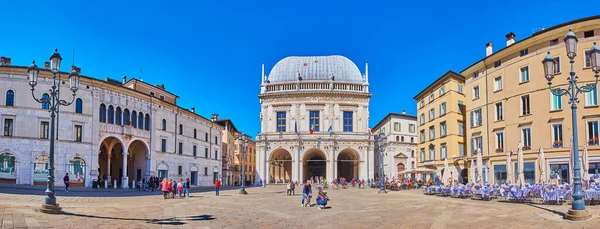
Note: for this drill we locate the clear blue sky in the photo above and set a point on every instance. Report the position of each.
(210, 52)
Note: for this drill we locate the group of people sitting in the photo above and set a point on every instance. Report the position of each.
(307, 193)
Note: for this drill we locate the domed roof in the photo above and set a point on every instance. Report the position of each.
(315, 68)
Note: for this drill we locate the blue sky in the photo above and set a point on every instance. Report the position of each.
(210, 52)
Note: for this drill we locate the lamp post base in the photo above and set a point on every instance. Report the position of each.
(51, 209)
(578, 215)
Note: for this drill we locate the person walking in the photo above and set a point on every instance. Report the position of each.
(186, 187)
(289, 188)
(165, 188)
(217, 186)
(306, 194)
(292, 187)
(66, 180)
(174, 188)
(180, 188)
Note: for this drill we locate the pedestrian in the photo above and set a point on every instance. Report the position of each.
(293, 186)
(306, 194)
(289, 188)
(165, 188)
(66, 180)
(186, 187)
(180, 188)
(322, 199)
(174, 188)
(170, 187)
(151, 184)
(156, 182)
(217, 186)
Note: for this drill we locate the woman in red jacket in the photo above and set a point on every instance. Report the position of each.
(217, 186)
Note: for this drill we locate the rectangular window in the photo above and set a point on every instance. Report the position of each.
(78, 133)
(461, 129)
(476, 92)
(524, 74)
(587, 34)
(498, 83)
(461, 107)
(162, 97)
(524, 52)
(476, 143)
(442, 91)
(181, 148)
(588, 61)
(461, 149)
(411, 128)
(557, 136)
(422, 155)
(525, 105)
(443, 152)
(431, 114)
(205, 171)
(499, 142)
(499, 112)
(497, 64)
(163, 145)
(432, 153)
(431, 133)
(431, 98)
(554, 42)
(422, 135)
(443, 129)
(205, 152)
(476, 118)
(422, 119)
(500, 174)
(555, 101)
(8, 127)
(194, 153)
(216, 155)
(591, 98)
(526, 138)
(443, 108)
(44, 127)
(281, 122)
(460, 89)
(592, 133)
(152, 94)
(180, 170)
(314, 121)
(348, 121)
(422, 104)
(557, 66)
(475, 74)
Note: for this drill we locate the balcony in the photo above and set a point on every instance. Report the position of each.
(500, 150)
(593, 141)
(124, 130)
(316, 86)
(557, 144)
(526, 148)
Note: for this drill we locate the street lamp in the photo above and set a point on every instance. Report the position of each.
(577, 211)
(243, 145)
(382, 142)
(50, 205)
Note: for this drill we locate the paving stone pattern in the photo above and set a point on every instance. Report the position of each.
(271, 208)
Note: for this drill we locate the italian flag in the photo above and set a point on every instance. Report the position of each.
(312, 127)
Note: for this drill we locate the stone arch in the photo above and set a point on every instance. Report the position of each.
(314, 163)
(9, 168)
(280, 165)
(110, 159)
(348, 164)
(162, 170)
(39, 169)
(401, 167)
(137, 154)
(77, 170)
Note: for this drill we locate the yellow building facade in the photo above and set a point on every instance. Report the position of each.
(508, 102)
(441, 119)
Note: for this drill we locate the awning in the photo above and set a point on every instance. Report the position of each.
(417, 170)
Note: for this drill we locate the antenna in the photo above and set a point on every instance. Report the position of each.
(141, 74)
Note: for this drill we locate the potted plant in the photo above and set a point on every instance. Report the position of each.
(526, 148)
(499, 150)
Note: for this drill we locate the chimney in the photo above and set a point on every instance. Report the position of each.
(488, 49)
(124, 79)
(47, 65)
(510, 39)
(74, 68)
(193, 110)
(4, 61)
(404, 112)
(214, 117)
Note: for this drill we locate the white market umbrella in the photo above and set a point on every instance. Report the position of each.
(520, 173)
(472, 172)
(446, 174)
(479, 167)
(585, 163)
(542, 166)
(509, 176)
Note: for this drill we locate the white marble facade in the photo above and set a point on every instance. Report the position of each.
(24, 151)
(314, 92)
(401, 150)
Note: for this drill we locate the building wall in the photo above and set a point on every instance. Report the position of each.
(402, 144)
(541, 117)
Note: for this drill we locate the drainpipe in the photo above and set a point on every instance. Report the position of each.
(176, 130)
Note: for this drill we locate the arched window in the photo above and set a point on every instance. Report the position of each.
(412, 139)
(7, 165)
(164, 125)
(46, 105)
(77, 170)
(119, 116)
(180, 129)
(102, 114)
(79, 106)
(195, 134)
(10, 98)
(216, 140)
(402, 139)
(397, 138)
(111, 114)
(206, 137)
(147, 120)
(141, 120)
(126, 117)
(134, 119)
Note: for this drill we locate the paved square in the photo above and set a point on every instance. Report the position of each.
(271, 208)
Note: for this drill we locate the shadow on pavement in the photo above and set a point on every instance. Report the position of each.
(101, 192)
(561, 214)
(168, 221)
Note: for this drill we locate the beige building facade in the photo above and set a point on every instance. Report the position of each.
(401, 151)
(508, 102)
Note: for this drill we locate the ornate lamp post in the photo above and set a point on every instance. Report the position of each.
(50, 205)
(382, 142)
(243, 147)
(577, 211)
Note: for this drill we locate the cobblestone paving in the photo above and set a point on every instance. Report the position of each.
(271, 208)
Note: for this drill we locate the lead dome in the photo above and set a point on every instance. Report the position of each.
(315, 68)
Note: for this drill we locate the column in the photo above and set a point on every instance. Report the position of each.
(331, 167)
(148, 163)
(125, 180)
(108, 171)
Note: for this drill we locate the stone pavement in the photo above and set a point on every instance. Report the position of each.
(271, 208)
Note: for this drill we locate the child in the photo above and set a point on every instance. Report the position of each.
(306, 194)
(180, 187)
(322, 199)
